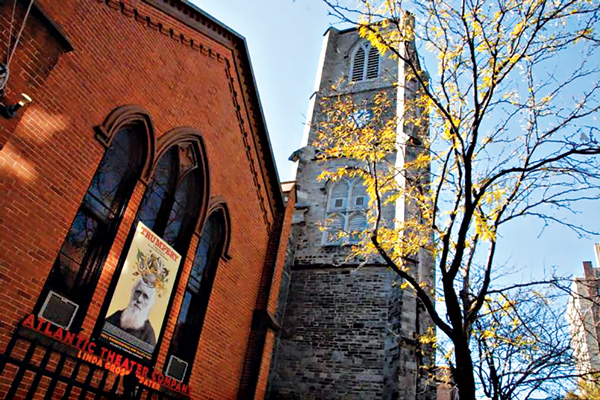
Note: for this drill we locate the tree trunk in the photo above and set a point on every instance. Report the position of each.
(464, 374)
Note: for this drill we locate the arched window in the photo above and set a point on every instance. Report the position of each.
(74, 275)
(338, 196)
(343, 223)
(171, 204)
(365, 63)
(195, 299)
(357, 223)
(168, 212)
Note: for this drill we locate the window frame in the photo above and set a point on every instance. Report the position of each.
(201, 299)
(135, 122)
(363, 63)
(168, 203)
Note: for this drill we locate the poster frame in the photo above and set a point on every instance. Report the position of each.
(114, 280)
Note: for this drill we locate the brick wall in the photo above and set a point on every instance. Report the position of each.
(265, 323)
(183, 75)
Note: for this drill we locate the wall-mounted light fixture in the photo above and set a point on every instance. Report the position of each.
(9, 111)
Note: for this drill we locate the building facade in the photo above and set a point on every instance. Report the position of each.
(141, 218)
(349, 330)
(583, 315)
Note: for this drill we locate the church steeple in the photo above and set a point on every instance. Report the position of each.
(349, 330)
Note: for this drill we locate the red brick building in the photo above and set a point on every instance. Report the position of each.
(143, 112)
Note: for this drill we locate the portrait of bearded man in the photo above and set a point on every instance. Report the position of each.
(134, 318)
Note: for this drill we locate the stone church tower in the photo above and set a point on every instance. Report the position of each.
(349, 331)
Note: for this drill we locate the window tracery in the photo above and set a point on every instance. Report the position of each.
(345, 214)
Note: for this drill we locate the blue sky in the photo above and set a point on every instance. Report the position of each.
(284, 39)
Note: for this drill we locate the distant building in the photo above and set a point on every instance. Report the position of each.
(583, 314)
(349, 330)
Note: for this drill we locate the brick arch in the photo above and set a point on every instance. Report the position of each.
(130, 115)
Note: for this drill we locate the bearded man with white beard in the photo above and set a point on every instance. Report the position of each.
(134, 318)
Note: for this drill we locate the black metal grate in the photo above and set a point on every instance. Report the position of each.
(59, 310)
(34, 366)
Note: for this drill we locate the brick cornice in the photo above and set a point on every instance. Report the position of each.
(240, 68)
(246, 103)
(237, 67)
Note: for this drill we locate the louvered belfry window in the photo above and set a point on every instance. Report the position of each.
(373, 63)
(365, 63)
(358, 65)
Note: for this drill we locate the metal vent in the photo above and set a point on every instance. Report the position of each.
(358, 65)
(59, 310)
(176, 368)
(373, 63)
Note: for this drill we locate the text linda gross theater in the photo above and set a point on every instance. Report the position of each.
(94, 353)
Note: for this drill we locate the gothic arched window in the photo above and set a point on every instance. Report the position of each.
(195, 299)
(171, 204)
(345, 218)
(357, 223)
(365, 63)
(69, 288)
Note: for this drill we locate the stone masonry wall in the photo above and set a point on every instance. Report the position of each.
(336, 350)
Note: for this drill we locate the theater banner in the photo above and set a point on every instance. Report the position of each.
(138, 306)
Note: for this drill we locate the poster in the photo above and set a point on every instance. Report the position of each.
(138, 307)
